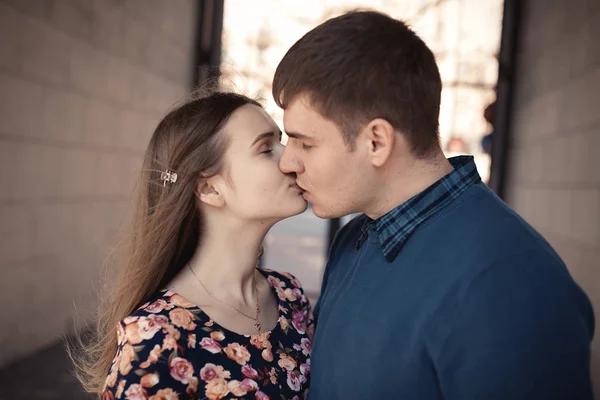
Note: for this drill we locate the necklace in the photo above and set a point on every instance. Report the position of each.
(257, 324)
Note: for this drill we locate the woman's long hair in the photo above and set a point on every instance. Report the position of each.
(165, 227)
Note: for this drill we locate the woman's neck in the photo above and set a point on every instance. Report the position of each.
(226, 258)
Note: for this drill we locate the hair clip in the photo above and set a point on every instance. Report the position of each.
(168, 176)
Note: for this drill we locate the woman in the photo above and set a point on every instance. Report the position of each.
(190, 315)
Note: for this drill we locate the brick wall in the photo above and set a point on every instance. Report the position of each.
(554, 173)
(82, 85)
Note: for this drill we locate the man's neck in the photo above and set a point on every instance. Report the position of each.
(406, 181)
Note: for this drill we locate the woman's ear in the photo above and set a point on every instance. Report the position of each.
(208, 193)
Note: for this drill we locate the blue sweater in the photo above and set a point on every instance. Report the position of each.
(476, 305)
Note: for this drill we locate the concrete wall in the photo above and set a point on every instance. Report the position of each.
(82, 85)
(554, 173)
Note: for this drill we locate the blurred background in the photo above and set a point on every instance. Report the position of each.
(83, 83)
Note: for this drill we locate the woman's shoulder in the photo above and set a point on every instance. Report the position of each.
(286, 285)
(153, 353)
(285, 277)
(166, 315)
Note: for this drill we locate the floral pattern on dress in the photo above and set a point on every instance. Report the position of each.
(169, 349)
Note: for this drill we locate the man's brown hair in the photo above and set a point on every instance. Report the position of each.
(365, 65)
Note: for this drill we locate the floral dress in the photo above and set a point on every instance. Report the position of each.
(169, 349)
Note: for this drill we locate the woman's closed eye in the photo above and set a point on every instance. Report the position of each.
(266, 148)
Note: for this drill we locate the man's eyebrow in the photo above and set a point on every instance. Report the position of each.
(296, 135)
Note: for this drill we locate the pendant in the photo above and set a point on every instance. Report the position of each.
(257, 326)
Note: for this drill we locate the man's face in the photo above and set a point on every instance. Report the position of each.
(335, 179)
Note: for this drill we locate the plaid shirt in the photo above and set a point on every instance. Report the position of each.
(395, 227)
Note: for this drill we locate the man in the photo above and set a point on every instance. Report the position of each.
(440, 290)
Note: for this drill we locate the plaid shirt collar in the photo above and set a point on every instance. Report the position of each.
(396, 227)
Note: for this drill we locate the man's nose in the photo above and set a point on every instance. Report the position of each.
(289, 163)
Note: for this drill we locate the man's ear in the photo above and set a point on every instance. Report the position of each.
(208, 193)
(380, 137)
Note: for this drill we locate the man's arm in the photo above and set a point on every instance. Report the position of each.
(521, 330)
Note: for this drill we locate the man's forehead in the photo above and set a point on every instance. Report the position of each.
(300, 115)
(298, 126)
(301, 102)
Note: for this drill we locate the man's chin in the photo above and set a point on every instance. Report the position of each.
(321, 213)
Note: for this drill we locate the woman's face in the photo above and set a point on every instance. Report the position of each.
(253, 186)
